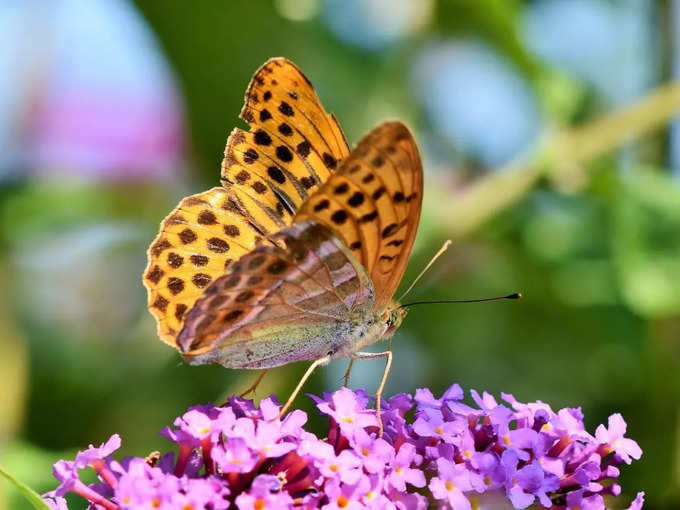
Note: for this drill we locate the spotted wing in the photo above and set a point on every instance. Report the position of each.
(276, 305)
(373, 203)
(197, 242)
(293, 145)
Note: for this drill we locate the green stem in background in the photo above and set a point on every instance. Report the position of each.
(561, 156)
(33, 497)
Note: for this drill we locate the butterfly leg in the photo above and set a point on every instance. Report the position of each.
(257, 382)
(383, 381)
(349, 369)
(308, 373)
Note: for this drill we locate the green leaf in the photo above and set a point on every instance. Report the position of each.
(33, 497)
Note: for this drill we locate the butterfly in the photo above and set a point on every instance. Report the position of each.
(298, 254)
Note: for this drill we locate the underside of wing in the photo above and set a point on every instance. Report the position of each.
(373, 204)
(296, 298)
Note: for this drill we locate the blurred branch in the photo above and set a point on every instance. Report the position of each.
(462, 212)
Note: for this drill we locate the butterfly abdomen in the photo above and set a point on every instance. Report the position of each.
(277, 345)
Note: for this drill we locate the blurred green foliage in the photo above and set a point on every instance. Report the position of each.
(598, 262)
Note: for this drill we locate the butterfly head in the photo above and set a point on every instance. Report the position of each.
(392, 318)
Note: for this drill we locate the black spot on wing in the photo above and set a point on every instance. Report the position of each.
(286, 109)
(187, 236)
(285, 129)
(378, 161)
(231, 230)
(304, 148)
(262, 137)
(356, 199)
(244, 296)
(284, 154)
(389, 230)
(276, 174)
(250, 156)
(339, 217)
(341, 189)
(368, 217)
(217, 245)
(242, 176)
(329, 161)
(206, 218)
(323, 204)
(201, 280)
(379, 192)
(199, 260)
(277, 267)
(307, 182)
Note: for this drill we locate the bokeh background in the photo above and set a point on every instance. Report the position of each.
(552, 161)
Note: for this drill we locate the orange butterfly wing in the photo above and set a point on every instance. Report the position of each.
(373, 204)
(292, 147)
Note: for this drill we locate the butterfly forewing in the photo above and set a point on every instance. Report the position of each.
(280, 304)
(293, 145)
(373, 204)
(280, 86)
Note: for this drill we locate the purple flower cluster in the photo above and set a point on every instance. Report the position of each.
(433, 451)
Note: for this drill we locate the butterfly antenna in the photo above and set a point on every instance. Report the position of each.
(444, 247)
(516, 295)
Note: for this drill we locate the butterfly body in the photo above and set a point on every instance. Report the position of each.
(282, 345)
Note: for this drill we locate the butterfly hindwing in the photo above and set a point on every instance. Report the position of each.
(197, 242)
(373, 204)
(279, 304)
